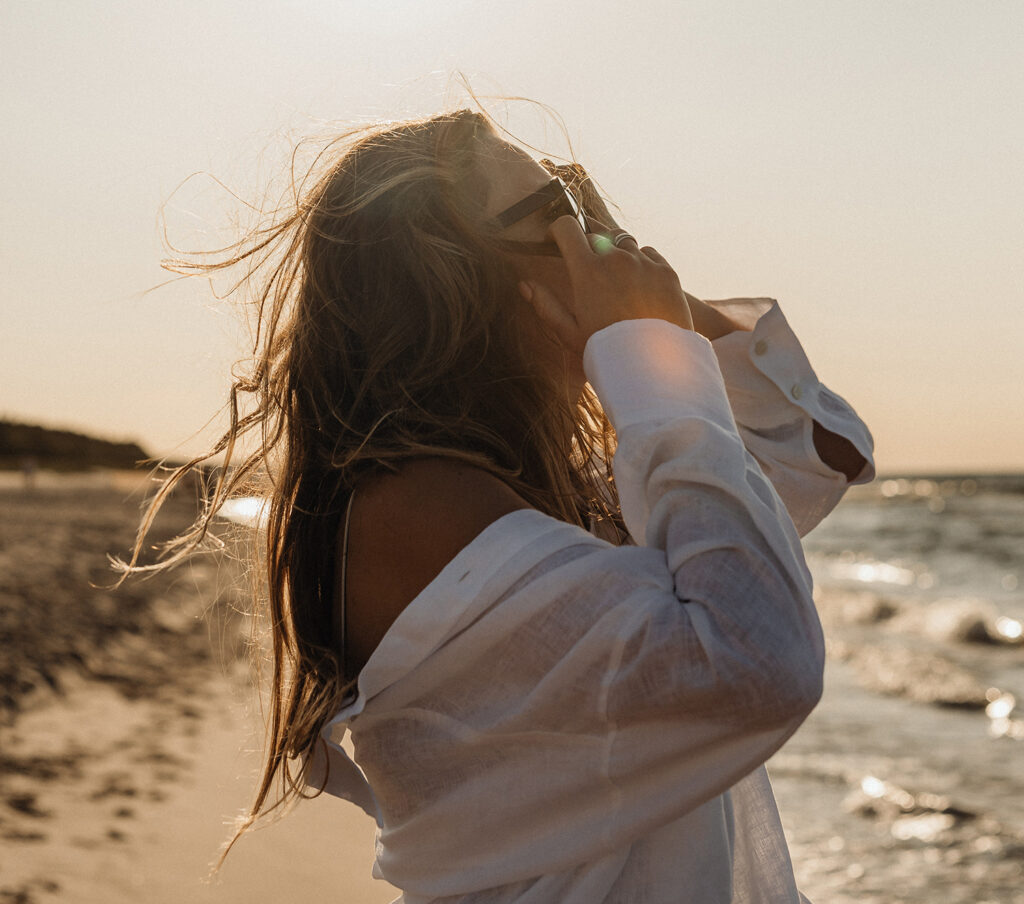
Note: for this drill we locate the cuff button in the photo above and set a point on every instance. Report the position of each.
(760, 347)
(796, 391)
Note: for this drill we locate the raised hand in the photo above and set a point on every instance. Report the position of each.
(609, 284)
(706, 320)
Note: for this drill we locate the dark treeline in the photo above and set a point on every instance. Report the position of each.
(29, 445)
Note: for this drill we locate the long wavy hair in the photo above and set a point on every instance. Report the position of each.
(388, 326)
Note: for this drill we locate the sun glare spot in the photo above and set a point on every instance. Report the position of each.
(1009, 628)
(890, 488)
(1001, 707)
(874, 573)
(926, 827)
(872, 787)
(248, 510)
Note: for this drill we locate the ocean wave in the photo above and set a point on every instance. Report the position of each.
(947, 620)
(960, 620)
(922, 677)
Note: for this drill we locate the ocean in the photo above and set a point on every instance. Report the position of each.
(940, 563)
(907, 783)
(927, 539)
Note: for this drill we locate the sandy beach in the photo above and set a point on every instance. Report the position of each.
(129, 740)
(130, 730)
(128, 801)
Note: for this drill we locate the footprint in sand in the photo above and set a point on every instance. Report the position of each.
(17, 835)
(25, 893)
(27, 805)
(117, 784)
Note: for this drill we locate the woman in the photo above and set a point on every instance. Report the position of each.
(560, 687)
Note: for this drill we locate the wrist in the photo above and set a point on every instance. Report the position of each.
(709, 322)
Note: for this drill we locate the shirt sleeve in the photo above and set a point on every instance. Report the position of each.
(702, 692)
(776, 398)
(592, 693)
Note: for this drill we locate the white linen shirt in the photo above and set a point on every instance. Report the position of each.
(557, 719)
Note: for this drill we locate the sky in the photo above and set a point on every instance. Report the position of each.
(860, 161)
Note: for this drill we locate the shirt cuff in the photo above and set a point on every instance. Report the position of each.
(770, 380)
(649, 369)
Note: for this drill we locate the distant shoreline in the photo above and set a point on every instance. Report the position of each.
(29, 447)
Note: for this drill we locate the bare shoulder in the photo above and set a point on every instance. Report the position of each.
(405, 527)
(432, 506)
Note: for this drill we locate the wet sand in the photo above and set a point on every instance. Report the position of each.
(128, 741)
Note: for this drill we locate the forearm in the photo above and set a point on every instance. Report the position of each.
(687, 486)
(709, 322)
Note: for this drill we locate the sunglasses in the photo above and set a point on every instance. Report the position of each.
(556, 200)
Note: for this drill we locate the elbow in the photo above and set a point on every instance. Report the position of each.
(805, 675)
(787, 700)
(783, 701)
(791, 686)
(767, 659)
(796, 666)
(798, 690)
(773, 693)
(808, 691)
(801, 663)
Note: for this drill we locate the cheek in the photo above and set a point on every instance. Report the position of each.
(551, 273)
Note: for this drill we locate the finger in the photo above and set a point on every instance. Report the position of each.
(624, 241)
(599, 225)
(573, 244)
(600, 242)
(553, 315)
(593, 203)
(653, 254)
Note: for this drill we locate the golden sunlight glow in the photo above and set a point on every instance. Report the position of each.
(252, 511)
